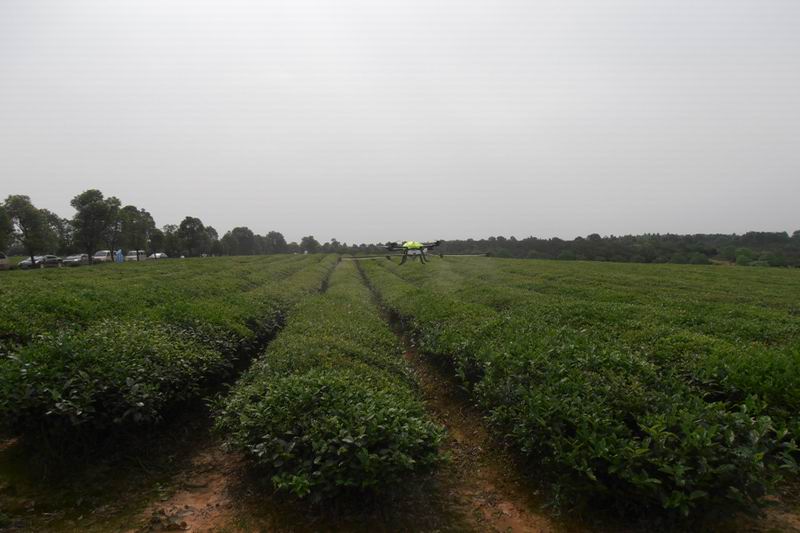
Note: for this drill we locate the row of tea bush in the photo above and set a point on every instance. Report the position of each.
(607, 424)
(66, 387)
(330, 408)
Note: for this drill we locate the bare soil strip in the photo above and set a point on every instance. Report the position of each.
(481, 479)
(202, 499)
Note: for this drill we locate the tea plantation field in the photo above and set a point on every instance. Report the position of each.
(655, 392)
(636, 387)
(110, 347)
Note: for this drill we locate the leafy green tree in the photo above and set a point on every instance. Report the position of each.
(192, 234)
(93, 216)
(156, 240)
(697, 258)
(212, 233)
(6, 229)
(774, 259)
(275, 243)
(29, 223)
(729, 253)
(60, 233)
(213, 245)
(744, 256)
(172, 243)
(244, 239)
(112, 233)
(309, 244)
(779, 260)
(333, 246)
(229, 244)
(137, 225)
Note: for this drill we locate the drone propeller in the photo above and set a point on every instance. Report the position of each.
(487, 254)
(364, 257)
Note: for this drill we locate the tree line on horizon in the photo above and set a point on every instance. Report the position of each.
(754, 248)
(101, 222)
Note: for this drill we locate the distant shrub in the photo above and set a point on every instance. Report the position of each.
(776, 260)
(699, 259)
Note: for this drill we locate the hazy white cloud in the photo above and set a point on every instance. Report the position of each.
(374, 120)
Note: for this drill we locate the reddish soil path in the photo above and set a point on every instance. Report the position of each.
(201, 498)
(480, 479)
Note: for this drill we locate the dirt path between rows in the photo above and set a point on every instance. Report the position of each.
(481, 482)
(202, 497)
(480, 478)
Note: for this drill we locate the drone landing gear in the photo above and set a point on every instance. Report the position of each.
(421, 255)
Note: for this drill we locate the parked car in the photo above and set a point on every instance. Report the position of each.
(103, 256)
(159, 255)
(4, 262)
(27, 263)
(76, 260)
(40, 261)
(136, 255)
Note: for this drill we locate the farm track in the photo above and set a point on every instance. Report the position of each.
(480, 480)
(202, 493)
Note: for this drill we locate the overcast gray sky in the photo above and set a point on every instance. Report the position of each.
(377, 120)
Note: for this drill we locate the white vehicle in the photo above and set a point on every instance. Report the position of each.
(135, 255)
(103, 256)
(158, 255)
(76, 260)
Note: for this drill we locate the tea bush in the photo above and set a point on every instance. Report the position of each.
(330, 408)
(214, 289)
(114, 372)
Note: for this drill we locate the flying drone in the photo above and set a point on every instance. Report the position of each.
(410, 249)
